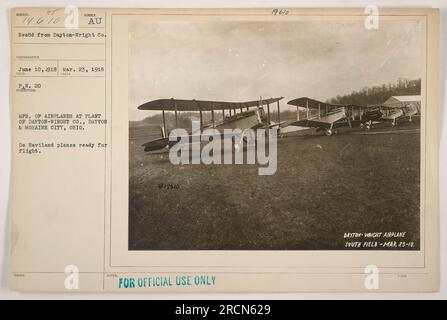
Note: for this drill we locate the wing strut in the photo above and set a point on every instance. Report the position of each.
(164, 122)
(176, 119)
(268, 113)
(201, 116)
(279, 113)
(307, 109)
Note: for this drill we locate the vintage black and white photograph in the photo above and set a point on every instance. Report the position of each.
(270, 134)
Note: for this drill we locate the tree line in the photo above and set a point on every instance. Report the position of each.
(379, 94)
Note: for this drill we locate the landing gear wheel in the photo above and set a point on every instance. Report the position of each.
(329, 132)
(335, 131)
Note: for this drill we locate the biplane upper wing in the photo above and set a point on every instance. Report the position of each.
(315, 104)
(306, 102)
(201, 105)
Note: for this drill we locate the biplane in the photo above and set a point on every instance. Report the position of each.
(322, 116)
(394, 109)
(235, 115)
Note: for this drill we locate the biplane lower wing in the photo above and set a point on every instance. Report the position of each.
(311, 124)
(268, 126)
(162, 143)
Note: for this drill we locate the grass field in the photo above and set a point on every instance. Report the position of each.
(323, 187)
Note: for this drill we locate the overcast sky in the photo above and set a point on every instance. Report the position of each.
(239, 61)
